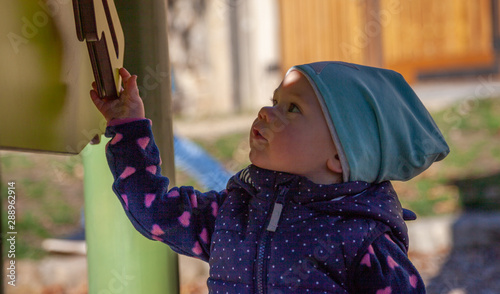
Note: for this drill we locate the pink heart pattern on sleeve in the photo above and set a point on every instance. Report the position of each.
(148, 199)
(377, 256)
(156, 214)
(143, 142)
(127, 172)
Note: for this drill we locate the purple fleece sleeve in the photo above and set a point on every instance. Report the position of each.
(385, 268)
(120, 121)
(181, 217)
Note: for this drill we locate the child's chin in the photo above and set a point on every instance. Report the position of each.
(259, 164)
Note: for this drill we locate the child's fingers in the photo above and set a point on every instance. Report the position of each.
(96, 99)
(124, 74)
(131, 84)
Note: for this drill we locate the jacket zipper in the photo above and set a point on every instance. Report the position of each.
(266, 237)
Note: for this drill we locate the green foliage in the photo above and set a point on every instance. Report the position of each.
(478, 115)
(34, 189)
(16, 160)
(224, 148)
(60, 212)
(28, 229)
(472, 130)
(48, 198)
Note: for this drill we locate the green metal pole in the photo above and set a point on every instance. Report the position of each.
(120, 260)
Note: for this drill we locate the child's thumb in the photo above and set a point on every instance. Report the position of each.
(131, 86)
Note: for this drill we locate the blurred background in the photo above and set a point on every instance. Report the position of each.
(226, 59)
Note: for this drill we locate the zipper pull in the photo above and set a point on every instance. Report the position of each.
(278, 207)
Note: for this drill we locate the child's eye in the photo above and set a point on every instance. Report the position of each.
(293, 108)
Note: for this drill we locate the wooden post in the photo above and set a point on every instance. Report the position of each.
(120, 259)
(144, 24)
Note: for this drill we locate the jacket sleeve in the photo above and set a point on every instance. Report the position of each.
(181, 217)
(385, 268)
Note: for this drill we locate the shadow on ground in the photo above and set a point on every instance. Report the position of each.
(473, 264)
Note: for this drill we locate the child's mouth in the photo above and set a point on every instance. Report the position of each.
(257, 135)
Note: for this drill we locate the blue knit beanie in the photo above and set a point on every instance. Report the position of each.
(380, 127)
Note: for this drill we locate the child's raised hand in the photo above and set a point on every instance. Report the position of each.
(128, 105)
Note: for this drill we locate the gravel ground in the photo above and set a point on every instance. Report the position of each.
(473, 270)
(466, 255)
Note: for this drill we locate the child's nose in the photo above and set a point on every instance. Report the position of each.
(266, 113)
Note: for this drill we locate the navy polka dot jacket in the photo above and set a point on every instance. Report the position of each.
(268, 232)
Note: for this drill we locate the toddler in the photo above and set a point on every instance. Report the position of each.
(315, 211)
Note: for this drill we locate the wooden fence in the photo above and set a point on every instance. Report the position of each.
(410, 36)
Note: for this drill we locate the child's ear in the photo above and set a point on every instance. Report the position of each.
(334, 164)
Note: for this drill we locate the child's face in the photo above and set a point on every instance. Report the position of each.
(292, 135)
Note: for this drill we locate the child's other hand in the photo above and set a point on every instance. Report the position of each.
(128, 105)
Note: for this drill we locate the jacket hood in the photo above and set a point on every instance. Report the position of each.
(381, 129)
(357, 199)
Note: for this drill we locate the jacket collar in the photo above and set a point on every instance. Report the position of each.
(261, 182)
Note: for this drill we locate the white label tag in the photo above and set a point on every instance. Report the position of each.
(275, 217)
